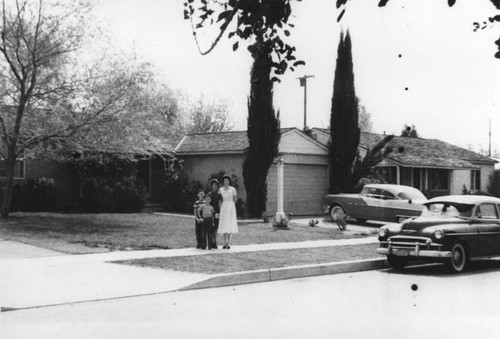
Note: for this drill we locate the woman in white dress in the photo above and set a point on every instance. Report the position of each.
(227, 216)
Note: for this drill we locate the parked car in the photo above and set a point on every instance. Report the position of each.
(452, 229)
(384, 202)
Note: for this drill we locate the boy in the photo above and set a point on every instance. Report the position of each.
(198, 219)
(207, 213)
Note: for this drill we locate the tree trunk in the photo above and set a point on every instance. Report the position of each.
(7, 193)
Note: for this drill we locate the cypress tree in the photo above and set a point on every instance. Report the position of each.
(344, 127)
(263, 129)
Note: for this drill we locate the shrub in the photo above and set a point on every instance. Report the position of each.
(39, 195)
(111, 195)
(494, 187)
(16, 200)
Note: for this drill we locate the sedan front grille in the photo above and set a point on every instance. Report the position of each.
(409, 242)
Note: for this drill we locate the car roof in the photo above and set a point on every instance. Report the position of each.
(391, 187)
(465, 199)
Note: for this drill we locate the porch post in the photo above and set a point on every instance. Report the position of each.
(280, 214)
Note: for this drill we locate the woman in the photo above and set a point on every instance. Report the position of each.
(227, 216)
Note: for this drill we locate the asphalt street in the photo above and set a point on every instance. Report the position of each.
(418, 302)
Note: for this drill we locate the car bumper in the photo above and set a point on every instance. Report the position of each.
(413, 252)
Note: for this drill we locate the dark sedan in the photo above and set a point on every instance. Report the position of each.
(452, 229)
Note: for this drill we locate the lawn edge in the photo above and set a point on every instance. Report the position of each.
(290, 272)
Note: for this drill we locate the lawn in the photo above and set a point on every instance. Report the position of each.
(92, 233)
(249, 261)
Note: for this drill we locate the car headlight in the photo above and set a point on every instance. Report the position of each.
(382, 232)
(438, 234)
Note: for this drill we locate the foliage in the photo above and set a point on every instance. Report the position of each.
(109, 195)
(36, 194)
(494, 187)
(268, 20)
(489, 22)
(344, 127)
(281, 224)
(263, 130)
(209, 118)
(180, 193)
(365, 119)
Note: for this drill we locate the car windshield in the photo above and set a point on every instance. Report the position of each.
(447, 209)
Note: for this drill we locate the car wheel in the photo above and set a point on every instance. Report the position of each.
(361, 220)
(459, 259)
(397, 263)
(339, 216)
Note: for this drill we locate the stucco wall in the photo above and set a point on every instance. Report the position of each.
(459, 178)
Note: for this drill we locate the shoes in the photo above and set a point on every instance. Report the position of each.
(228, 247)
(215, 247)
(224, 247)
(198, 246)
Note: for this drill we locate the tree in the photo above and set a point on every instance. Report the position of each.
(344, 127)
(489, 22)
(265, 23)
(365, 119)
(263, 130)
(53, 106)
(33, 46)
(209, 118)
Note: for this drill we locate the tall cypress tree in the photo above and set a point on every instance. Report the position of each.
(344, 127)
(263, 129)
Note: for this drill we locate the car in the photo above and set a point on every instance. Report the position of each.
(452, 229)
(383, 202)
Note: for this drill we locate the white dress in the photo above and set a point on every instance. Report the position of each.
(227, 216)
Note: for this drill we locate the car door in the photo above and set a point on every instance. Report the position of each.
(486, 219)
(373, 199)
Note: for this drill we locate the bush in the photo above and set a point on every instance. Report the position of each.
(494, 188)
(39, 195)
(16, 200)
(113, 196)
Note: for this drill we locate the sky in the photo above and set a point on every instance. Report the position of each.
(415, 63)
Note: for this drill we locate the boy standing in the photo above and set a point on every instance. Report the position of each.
(216, 199)
(198, 219)
(207, 213)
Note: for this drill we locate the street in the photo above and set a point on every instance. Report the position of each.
(419, 301)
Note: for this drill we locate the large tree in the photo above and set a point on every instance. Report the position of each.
(51, 104)
(265, 24)
(263, 130)
(344, 126)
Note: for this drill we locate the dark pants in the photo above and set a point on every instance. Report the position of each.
(207, 233)
(214, 233)
(198, 228)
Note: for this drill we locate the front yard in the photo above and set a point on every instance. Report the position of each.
(92, 233)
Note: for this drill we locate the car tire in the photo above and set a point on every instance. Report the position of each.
(459, 260)
(338, 215)
(397, 263)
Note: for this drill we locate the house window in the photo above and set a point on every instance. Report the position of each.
(18, 170)
(389, 174)
(475, 180)
(439, 179)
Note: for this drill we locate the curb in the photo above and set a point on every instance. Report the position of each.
(274, 274)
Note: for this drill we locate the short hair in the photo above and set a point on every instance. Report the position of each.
(201, 191)
(214, 181)
(226, 177)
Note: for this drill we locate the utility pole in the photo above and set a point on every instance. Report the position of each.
(303, 83)
(489, 141)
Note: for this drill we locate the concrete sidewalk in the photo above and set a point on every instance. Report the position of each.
(32, 277)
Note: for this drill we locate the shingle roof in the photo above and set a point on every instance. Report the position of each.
(419, 152)
(222, 142)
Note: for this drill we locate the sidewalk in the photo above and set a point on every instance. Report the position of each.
(33, 277)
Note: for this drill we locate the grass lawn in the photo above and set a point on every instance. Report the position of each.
(249, 261)
(92, 233)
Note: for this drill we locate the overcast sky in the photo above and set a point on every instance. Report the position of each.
(415, 62)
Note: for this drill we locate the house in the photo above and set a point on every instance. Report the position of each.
(305, 170)
(433, 166)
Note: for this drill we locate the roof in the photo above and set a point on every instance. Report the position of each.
(235, 142)
(420, 152)
(465, 199)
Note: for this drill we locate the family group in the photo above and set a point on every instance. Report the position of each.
(215, 213)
